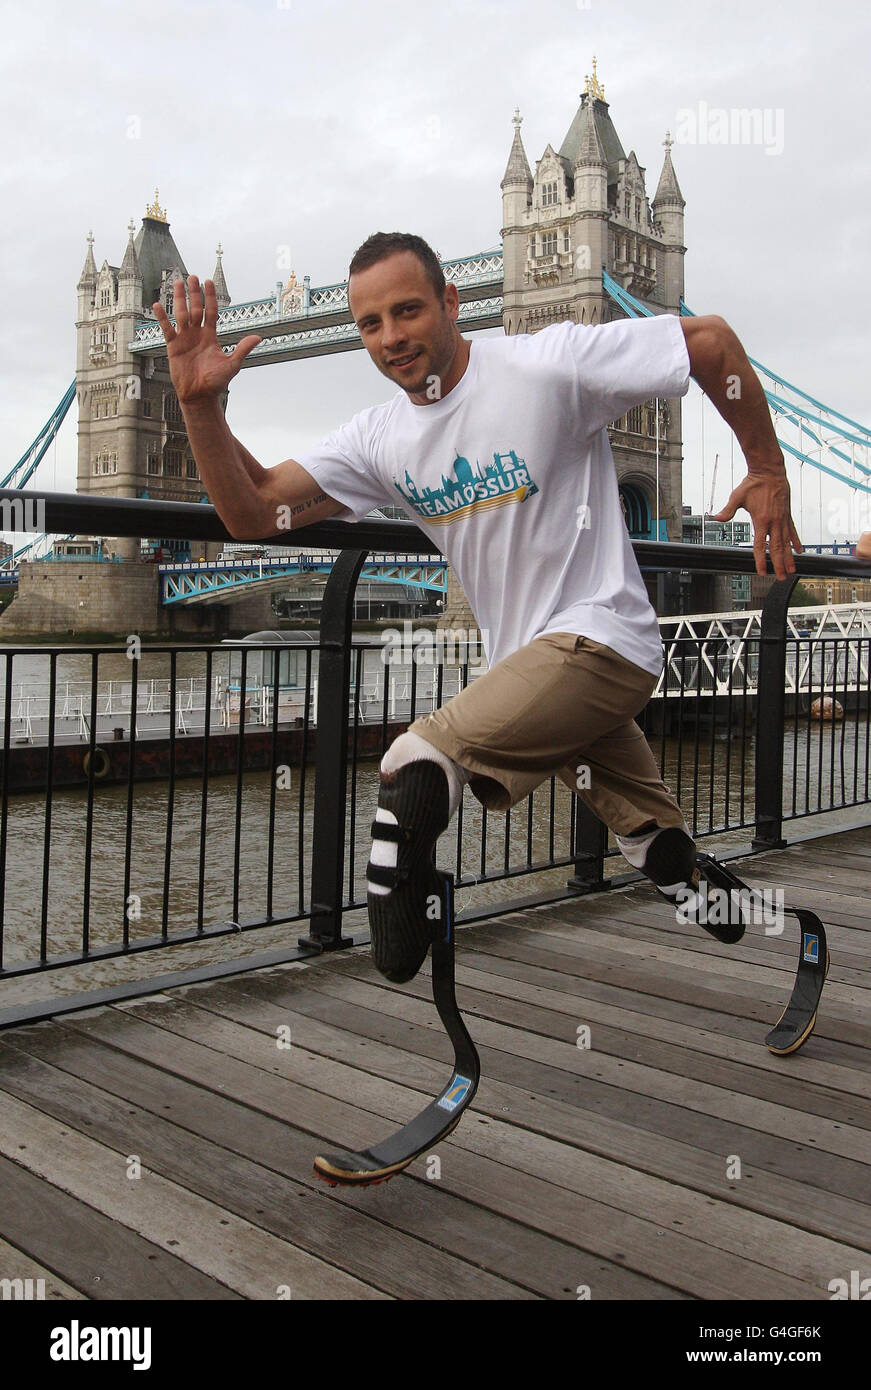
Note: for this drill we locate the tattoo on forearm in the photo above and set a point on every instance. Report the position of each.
(308, 503)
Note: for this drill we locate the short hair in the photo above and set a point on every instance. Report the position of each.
(383, 244)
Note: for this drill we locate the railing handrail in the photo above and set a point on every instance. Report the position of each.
(94, 514)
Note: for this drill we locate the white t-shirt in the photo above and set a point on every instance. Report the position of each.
(511, 473)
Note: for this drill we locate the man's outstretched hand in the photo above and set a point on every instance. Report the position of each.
(765, 495)
(198, 366)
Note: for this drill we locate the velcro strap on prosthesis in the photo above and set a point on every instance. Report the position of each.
(388, 830)
(380, 873)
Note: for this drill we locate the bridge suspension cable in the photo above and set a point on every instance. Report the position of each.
(857, 436)
(31, 459)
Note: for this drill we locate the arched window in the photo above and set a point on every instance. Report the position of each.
(636, 511)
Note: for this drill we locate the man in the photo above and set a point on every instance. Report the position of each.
(499, 450)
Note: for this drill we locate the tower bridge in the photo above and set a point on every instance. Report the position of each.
(212, 581)
(581, 240)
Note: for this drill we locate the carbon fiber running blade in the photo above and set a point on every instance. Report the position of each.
(440, 1116)
(797, 1021)
(720, 877)
(421, 1134)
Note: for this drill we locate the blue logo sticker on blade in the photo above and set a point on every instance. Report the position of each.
(456, 1092)
(810, 947)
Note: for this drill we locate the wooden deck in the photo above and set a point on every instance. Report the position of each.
(609, 1168)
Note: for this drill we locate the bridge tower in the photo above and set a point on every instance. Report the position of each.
(132, 439)
(586, 208)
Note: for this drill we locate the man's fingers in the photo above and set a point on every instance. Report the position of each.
(196, 301)
(759, 549)
(211, 319)
(163, 319)
(244, 346)
(180, 304)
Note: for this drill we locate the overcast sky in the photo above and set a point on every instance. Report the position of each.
(311, 123)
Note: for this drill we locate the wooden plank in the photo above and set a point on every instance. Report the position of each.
(702, 1029)
(39, 1282)
(696, 1165)
(650, 1246)
(425, 1209)
(204, 1234)
(560, 1068)
(795, 1253)
(725, 972)
(87, 1250)
(388, 1260)
(487, 975)
(525, 1031)
(659, 1043)
(634, 915)
(729, 1019)
(761, 1002)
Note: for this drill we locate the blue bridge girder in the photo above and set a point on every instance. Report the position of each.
(324, 324)
(213, 581)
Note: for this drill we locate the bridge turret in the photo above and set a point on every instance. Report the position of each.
(590, 227)
(87, 280)
(130, 277)
(221, 292)
(668, 209)
(516, 200)
(132, 437)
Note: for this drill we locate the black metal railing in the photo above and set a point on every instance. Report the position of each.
(242, 819)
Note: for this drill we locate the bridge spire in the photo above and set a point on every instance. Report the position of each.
(517, 169)
(130, 265)
(221, 292)
(590, 149)
(668, 192)
(592, 86)
(88, 277)
(155, 211)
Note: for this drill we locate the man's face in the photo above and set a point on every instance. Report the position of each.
(409, 333)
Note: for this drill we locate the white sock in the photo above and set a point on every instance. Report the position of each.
(409, 748)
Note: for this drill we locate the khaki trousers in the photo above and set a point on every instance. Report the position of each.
(561, 706)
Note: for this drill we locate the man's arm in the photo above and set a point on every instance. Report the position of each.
(301, 497)
(720, 365)
(253, 502)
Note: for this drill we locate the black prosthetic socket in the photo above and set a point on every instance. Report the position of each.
(671, 859)
(402, 921)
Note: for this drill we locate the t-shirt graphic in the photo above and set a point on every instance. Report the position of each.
(506, 479)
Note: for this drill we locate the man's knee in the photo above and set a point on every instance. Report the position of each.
(410, 747)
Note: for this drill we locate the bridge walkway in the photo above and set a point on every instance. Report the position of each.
(613, 1168)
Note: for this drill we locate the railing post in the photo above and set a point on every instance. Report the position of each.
(770, 706)
(331, 767)
(588, 851)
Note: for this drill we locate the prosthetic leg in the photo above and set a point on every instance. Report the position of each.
(370, 1166)
(411, 908)
(798, 1019)
(683, 876)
